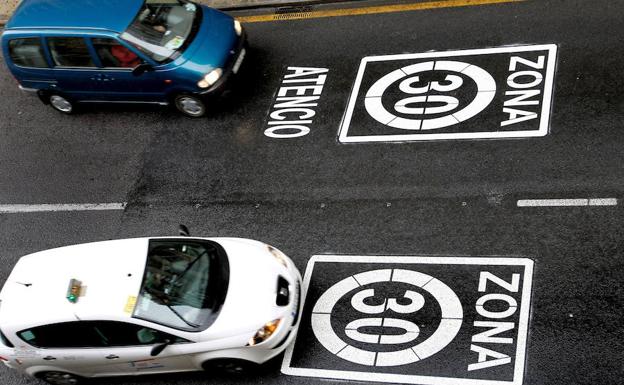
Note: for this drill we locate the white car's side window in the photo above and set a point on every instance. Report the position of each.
(91, 334)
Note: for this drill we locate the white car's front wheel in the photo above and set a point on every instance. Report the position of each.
(229, 366)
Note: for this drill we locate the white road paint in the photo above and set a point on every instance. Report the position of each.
(487, 89)
(485, 94)
(603, 202)
(567, 202)
(297, 98)
(332, 342)
(401, 357)
(452, 314)
(321, 321)
(358, 356)
(43, 208)
(444, 334)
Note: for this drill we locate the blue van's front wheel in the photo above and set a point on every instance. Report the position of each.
(190, 105)
(61, 104)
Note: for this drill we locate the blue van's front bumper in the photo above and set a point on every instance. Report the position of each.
(232, 67)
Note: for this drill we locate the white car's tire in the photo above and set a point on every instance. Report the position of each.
(60, 378)
(230, 366)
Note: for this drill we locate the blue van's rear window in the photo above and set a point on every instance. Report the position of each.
(27, 52)
(70, 52)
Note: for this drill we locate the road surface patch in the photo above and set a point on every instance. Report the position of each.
(487, 93)
(416, 320)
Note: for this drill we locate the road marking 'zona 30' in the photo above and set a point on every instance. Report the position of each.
(41, 208)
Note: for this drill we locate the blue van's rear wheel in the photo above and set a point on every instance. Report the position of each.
(61, 103)
(190, 105)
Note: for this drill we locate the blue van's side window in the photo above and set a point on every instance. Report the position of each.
(114, 55)
(70, 52)
(27, 52)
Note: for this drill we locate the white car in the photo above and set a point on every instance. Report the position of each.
(149, 305)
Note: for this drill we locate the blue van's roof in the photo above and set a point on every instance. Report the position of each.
(113, 15)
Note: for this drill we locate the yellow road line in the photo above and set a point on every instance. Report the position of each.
(370, 10)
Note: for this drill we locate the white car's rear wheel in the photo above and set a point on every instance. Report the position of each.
(59, 378)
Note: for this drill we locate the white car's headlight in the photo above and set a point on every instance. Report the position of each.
(211, 78)
(264, 333)
(238, 27)
(279, 256)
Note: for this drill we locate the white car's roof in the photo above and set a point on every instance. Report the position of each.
(111, 273)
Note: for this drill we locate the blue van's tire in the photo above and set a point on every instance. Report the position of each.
(44, 96)
(190, 105)
(61, 103)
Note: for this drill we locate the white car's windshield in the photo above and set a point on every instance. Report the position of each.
(184, 285)
(163, 28)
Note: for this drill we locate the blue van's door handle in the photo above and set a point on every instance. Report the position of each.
(102, 78)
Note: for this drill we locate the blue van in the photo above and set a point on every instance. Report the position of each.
(169, 52)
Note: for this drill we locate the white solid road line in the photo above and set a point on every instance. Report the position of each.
(567, 202)
(603, 202)
(40, 208)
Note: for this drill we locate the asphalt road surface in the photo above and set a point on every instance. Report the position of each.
(357, 188)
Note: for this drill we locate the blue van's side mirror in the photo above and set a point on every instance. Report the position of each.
(141, 69)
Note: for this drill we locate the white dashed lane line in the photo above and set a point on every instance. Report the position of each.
(567, 202)
(41, 208)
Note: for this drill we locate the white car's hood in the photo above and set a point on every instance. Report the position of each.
(250, 301)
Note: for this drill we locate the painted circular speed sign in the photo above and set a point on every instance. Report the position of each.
(389, 323)
(430, 105)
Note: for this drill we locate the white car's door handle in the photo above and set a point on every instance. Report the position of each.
(112, 357)
(49, 358)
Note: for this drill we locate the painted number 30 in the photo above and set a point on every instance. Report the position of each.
(421, 107)
(410, 330)
(449, 102)
(364, 302)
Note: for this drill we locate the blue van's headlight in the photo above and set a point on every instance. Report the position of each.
(211, 78)
(238, 27)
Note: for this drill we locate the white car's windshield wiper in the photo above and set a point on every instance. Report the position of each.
(165, 301)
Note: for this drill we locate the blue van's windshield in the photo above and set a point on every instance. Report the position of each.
(164, 28)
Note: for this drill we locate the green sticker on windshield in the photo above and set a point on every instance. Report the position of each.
(175, 43)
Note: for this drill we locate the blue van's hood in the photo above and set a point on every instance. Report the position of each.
(212, 44)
